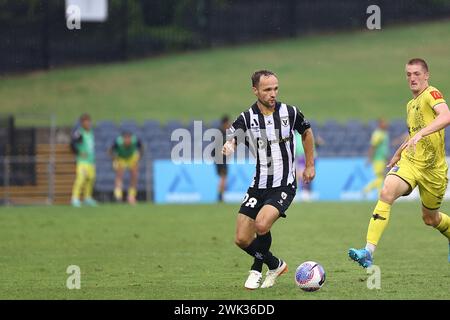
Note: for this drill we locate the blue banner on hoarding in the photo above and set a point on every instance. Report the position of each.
(342, 179)
(336, 179)
(182, 183)
(194, 183)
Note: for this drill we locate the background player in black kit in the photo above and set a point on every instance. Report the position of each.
(221, 160)
(269, 128)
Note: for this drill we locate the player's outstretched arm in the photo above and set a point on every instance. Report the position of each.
(442, 120)
(397, 155)
(308, 145)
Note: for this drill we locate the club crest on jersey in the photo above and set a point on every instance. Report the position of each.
(284, 121)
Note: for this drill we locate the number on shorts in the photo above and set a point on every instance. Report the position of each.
(251, 202)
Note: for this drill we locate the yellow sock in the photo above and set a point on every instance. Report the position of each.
(444, 225)
(118, 193)
(132, 192)
(379, 221)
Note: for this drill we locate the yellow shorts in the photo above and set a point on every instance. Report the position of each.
(129, 163)
(432, 183)
(379, 167)
(86, 171)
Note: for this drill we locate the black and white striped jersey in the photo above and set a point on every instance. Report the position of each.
(271, 139)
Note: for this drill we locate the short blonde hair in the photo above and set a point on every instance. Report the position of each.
(420, 61)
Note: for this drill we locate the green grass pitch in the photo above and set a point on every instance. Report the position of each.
(357, 74)
(187, 252)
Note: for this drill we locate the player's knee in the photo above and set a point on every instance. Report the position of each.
(387, 195)
(261, 227)
(431, 219)
(242, 242)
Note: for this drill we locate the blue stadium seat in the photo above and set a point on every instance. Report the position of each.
(333, 125)
(216, 123)
(173, 124)
(313, 123)
(131, 126)
(372, 125)
(105, 124)
(151, 124)
(354, 125)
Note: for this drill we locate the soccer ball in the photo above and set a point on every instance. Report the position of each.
(310, 276)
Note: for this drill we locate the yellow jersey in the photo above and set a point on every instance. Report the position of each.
(430, 150)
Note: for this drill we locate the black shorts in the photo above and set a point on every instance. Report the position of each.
(279, 197)
(221, 169)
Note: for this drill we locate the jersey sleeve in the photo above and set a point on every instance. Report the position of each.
(435, 97)
(75, 139)
(300, 123)
(237, 127)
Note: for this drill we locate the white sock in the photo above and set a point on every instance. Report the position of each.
(370, 247)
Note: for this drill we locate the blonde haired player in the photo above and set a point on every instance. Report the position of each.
(420, 161)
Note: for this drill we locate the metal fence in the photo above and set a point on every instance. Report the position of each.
(34, 33)
(39, 191)
(54, 180)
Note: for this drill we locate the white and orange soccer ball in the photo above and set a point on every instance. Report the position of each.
(310, 276)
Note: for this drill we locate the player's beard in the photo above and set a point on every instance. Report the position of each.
(267, 104)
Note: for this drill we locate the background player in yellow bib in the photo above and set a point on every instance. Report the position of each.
(419, 161)
(126, 153)
(83, 145)
(378, 155)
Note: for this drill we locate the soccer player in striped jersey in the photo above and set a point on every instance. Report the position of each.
(419, 161)
(268, 130)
